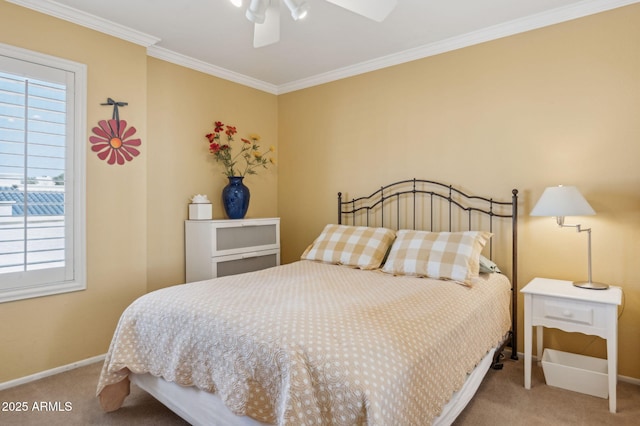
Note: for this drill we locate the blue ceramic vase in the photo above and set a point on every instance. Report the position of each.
(235, 198)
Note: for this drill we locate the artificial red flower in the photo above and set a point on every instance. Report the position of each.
(243, 162)
(231, 130)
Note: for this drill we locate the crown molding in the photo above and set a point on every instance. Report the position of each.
(540, 20)
(207, 68)
(88, 20)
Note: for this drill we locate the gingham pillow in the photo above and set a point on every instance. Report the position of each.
(358, 246)
(442, 255)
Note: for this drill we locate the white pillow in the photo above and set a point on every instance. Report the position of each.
(487, 266)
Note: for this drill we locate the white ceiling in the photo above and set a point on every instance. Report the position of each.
(330, 43)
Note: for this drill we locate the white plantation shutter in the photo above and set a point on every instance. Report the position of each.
(42, 102)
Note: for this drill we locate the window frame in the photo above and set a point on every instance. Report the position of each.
(75, 210)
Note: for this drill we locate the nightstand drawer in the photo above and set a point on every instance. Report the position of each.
(561, 313)
(567, 311)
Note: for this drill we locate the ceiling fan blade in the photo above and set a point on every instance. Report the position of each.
(376, 10)
(269, 32)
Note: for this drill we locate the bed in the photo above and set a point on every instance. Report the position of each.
(385, 319)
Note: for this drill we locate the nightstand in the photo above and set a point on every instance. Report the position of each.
(559, 304)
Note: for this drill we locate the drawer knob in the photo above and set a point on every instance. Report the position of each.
(567, 313)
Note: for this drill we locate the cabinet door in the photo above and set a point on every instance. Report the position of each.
(245, 262)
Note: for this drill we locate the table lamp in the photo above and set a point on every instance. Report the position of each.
(561, 201)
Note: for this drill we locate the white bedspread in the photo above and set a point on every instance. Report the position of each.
(311, 343)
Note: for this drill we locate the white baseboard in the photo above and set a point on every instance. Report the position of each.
(628, 379)
(53, 371)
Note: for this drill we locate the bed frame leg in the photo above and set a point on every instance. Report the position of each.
(497, 364)
(514, 347)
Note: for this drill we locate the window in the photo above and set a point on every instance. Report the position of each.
(42, 174)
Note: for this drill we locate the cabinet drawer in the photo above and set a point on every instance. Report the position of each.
(245, 262)
(237, 237)
(246, 234)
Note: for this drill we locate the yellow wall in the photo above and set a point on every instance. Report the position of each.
(182, 105)
(556, 105)
(135, 212)
(42, 333)
(559, 105)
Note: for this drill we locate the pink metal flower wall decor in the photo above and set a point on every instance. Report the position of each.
(112, 141)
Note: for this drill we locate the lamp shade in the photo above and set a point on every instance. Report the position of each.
(560, 201)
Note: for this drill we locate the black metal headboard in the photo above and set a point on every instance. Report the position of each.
(434, 206)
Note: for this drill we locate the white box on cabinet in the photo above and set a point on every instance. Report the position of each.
(215, 248)
(200, 211)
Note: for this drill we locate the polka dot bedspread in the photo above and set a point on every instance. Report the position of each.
(309, 343)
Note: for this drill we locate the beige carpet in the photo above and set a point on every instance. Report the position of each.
(501, 399)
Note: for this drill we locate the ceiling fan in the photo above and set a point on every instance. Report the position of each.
(265, 14)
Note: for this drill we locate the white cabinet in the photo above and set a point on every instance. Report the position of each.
(216, 248)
